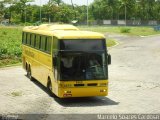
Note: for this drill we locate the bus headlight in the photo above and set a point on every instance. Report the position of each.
(103, 84)
(67, 91)
(104, 90)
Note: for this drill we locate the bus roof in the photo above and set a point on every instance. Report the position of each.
(78, 35)
(51, 27)
(63, 31)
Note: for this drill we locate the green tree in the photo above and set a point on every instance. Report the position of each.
(81, 15)
(113, 6)
(58, 2)
(20, 8)
(126, 9)
(49, 11)
(99, 8)
(1, 10)
(65, 14)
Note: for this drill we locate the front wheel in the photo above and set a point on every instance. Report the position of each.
(49, 88)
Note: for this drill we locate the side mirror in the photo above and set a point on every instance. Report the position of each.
(109, 59)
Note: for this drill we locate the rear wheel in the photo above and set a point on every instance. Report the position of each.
(27, 69)
(29, 73)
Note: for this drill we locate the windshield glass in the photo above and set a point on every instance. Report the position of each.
(83, 63)
(83, 66)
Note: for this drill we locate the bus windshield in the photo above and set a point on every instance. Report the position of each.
(83, 60)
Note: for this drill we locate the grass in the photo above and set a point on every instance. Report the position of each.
(111, 42)
(10, 40)
(136, 31)
(10, 45)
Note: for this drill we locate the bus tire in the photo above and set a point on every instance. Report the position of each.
(27, 69)
(49, 87)
(29, 73)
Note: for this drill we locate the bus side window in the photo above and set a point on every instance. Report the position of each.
(45, 49)
(32, 40)
(43, 43)
(24, 38)
(55, 44)
(28, 39)
(40, 37)
(48, 45)
(37, 41)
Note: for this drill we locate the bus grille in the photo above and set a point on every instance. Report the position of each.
(76, 85)
(92, 84)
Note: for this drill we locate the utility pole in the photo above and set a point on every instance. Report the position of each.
(125, 15)
(75, 16)
(49, 12)
(25, 14)
(87, 12)
(40, 13)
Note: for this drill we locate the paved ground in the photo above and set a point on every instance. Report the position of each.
(134, 85)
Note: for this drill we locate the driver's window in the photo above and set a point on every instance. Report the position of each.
(55, 67)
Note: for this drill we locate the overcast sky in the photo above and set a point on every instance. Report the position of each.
(78, 2)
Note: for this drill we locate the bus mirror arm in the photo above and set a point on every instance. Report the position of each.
(109, 59)
(55, 54)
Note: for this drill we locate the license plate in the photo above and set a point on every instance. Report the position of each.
(79, 82)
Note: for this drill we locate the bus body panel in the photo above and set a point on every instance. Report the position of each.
(83, 92)
(89, 88)
(39, 62)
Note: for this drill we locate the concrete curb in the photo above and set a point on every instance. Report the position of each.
(150, 35)
(11, 65)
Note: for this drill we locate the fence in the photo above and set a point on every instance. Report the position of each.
(123, 22)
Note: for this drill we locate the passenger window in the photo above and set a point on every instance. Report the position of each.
(24, 38)
(55, 44)
(40, 42)
(28, 39)
(43, 42)
(37, 41)
(48, 45)
(32, 40)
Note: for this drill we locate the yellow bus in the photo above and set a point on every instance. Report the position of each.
(66, 60)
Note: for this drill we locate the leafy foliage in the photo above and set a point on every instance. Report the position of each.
(135, 9)
(22, 11)
(10, 47)
(125, 30)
